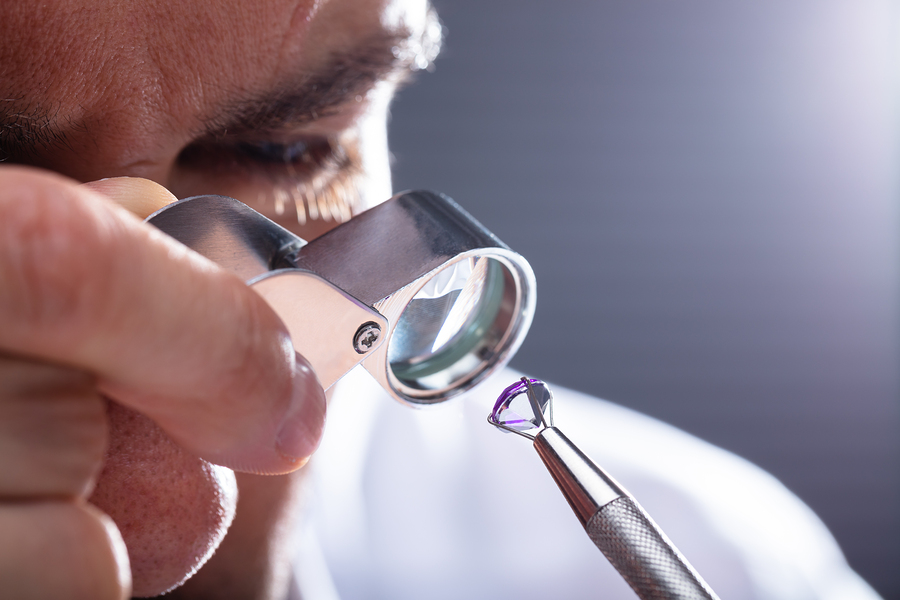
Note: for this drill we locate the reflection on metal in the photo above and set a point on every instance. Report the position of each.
(587, 487)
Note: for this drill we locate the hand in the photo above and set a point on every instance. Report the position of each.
(97, 306)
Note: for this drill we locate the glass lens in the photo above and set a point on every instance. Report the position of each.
(440, 333)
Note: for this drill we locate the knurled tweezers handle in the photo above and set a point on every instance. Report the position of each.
(617, 524)
(643, 555)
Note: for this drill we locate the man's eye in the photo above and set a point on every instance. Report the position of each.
(274, 152)
(305, 179)
(296, 158)
(313, 152)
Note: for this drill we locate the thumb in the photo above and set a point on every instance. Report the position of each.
(138, 196)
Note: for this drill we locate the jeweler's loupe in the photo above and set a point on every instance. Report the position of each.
(417, 290)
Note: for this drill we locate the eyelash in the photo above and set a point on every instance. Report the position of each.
(316, 175)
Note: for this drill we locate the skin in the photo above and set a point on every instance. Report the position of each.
(130, 366)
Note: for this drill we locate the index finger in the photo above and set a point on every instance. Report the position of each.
(167, 332)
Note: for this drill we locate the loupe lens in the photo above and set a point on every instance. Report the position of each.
(454, 326)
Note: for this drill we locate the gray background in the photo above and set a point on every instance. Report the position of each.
(707, 191)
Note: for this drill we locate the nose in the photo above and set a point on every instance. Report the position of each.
(172, 508)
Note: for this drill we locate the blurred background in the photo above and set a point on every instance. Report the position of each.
(708, 192)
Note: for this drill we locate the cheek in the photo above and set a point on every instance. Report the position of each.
(172, 508)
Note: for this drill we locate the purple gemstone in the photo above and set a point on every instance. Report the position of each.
(515, 411)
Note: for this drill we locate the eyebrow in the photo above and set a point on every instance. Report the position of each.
(390, 56)
(26, 129)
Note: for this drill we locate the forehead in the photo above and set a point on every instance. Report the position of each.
(169, 63)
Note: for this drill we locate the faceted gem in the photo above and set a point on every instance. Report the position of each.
(521, 411)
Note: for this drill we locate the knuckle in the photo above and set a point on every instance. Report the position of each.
(53, 430)
(265, 352)
(255, 364)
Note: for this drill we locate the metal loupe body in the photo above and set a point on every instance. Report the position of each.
(417, 290)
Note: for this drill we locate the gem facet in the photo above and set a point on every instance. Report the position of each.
(523, 407)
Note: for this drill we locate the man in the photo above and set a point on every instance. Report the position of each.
(254, 100)
(121, 351)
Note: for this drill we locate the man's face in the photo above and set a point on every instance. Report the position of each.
(279, 103)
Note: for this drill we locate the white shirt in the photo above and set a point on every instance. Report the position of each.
(438, 504)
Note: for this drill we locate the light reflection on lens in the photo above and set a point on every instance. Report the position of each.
(446, 322)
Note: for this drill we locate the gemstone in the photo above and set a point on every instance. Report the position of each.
(516, 411)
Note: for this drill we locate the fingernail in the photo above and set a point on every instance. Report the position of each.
(302, 424)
